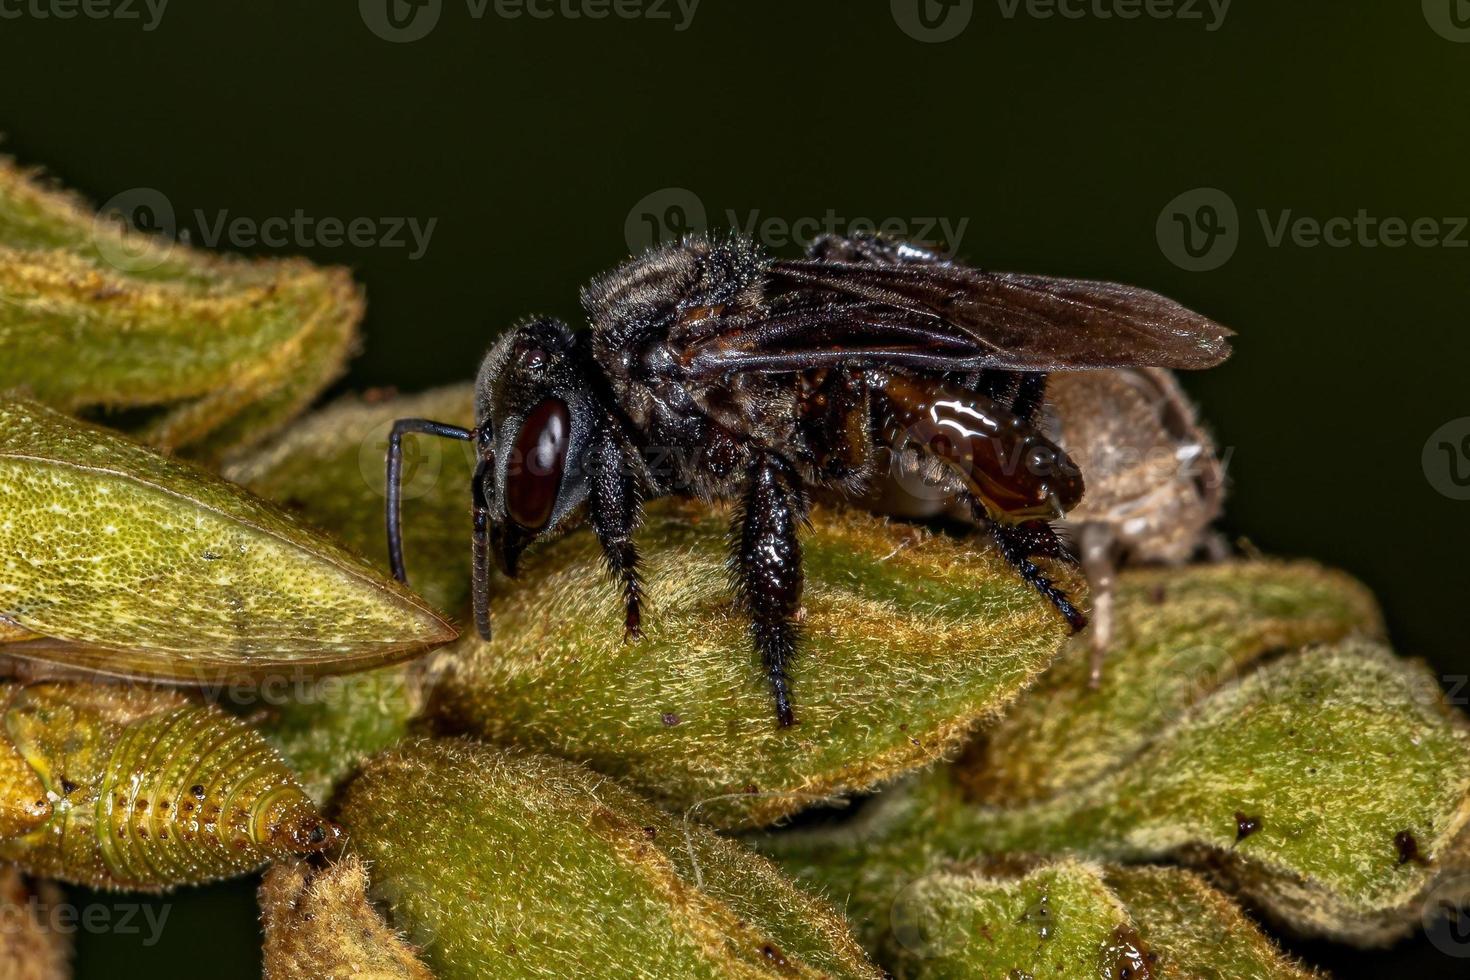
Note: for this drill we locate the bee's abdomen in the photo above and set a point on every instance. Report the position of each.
(1012, 469)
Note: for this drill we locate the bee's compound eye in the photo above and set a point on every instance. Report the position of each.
(537, 464)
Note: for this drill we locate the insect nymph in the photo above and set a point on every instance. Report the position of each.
(713, 369)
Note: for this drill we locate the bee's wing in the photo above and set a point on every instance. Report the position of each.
(944, 316)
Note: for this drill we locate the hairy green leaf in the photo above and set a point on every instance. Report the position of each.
(909, 641)
(223, 351)
(1331, 788)
(333, 724)
(142, 565)
(1070, 919)
(505, 864)
(1181, 634)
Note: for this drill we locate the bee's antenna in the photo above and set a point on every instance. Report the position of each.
(395, 480)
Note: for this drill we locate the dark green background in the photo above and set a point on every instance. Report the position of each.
(1059, 140)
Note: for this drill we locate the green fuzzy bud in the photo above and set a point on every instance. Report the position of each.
(213, 353)
(506, 864)
(1180, 636)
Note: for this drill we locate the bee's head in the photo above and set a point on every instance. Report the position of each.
(534, 410)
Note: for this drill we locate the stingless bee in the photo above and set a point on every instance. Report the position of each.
(716, 370)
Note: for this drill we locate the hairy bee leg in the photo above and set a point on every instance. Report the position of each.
(401, 428)
(1017, 543)
(768, 568)
(616, 507)
(1098, 548)
(1030, 396)
(480, 549)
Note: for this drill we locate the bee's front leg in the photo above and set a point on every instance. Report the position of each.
(768, 568)
(616, 509)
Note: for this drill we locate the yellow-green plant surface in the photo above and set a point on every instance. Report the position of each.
(329, 469)
(95, 315)
(1195, 931)
(146, 566)
(1180, 635)
(506, 864)
(910, 640)
(319, 923)
(1074, 920)
(334, 723)
(143, 789)
(1331, 788)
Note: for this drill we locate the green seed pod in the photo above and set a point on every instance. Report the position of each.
(223, 350)
(1181, 634)
(513, 865)
(146, 789)
(1072, 919)
(1330, 787)
(319, 923)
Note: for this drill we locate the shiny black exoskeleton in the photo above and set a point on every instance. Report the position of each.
(712, 369)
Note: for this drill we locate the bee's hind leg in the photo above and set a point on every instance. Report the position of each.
(767, 567)
(1017, 543)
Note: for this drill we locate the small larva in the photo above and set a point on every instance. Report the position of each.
(144, 788)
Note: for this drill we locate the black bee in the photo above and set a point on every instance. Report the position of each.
(713, 369)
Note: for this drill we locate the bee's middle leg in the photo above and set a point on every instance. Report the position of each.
(767, 565)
